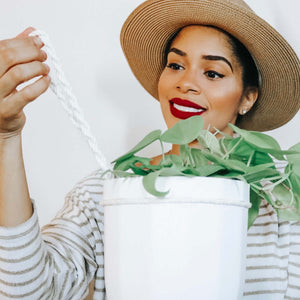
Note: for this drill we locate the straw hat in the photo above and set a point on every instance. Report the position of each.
(146, 31)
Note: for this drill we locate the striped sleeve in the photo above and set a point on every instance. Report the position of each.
(59, 261)
(273, 258)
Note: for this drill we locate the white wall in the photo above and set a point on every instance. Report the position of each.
(86, 37)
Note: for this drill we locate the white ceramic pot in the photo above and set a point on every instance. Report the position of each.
(189, 245)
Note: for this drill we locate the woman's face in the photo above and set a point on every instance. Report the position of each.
(202, 77)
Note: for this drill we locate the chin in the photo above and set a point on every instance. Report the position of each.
(171, 121)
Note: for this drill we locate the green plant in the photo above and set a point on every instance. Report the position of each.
(251, 157)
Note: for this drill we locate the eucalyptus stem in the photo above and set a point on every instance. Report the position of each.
(257, 187)
(233, 148)
(268, 197)
(250, 158)
(223, 145)
(281, 179)
(162, 151)
(290, 190)
(190, 157)
(269, 179)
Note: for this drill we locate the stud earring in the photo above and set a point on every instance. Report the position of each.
(244, 111)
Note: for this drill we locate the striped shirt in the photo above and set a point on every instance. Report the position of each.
(59, 261)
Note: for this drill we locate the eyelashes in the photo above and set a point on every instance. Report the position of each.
(214, 74)
(175, 66)
(211, 74)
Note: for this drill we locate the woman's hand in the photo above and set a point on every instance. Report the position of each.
(21, 59)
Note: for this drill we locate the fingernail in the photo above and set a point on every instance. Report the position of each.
(44, 54)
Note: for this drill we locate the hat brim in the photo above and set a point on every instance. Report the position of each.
(146, 31)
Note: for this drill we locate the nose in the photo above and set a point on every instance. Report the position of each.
(189, 83)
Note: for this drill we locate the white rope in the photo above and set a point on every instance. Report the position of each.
(63, 90)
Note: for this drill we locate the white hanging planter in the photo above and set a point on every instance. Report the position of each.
(187, 245)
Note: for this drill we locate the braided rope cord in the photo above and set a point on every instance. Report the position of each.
(63, 90)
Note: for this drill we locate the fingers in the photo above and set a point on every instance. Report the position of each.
(26, 32)
(21, 59)
(19, 74)
(20, 50)
(13, 105)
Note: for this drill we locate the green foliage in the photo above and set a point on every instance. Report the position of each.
(183, 132)
(249, 157)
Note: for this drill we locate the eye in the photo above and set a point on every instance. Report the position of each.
(175, 66)
(213, 75)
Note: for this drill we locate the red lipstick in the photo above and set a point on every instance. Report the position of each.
(184, 109)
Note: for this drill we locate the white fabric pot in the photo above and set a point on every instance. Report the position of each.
(189, 245)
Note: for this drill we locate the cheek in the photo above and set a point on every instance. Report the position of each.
(162, 86)
(226, 98)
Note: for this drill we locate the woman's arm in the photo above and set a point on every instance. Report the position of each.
(60, 262)
(21, 59)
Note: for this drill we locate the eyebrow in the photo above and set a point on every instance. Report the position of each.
(217, 57)
(177, 51)
(206, 57)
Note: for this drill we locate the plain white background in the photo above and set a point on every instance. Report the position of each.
(85, 34)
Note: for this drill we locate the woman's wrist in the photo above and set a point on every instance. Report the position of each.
(6, 137)
(15, 201)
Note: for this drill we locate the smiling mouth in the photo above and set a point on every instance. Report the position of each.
(184, 109)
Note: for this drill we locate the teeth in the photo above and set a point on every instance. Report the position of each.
(187, 109)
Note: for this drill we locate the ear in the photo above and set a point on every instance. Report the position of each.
(248, 99)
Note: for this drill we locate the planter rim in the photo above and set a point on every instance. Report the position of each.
(182, 190)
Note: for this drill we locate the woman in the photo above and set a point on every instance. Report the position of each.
(188, 55)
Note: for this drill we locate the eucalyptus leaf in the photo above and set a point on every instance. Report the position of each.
(147, 140)
(260, 141)
(172, 159)
(295, 148)
(236, 146)
(263, 167)
(282, 198)
(257, 139)
(209, 170)
(290, 214)
(190, 172)
(295, 182)
(209, 140)
(149, 182)
(278, 154)
(242, 150)
(126, 164)
(230, 164)
(173, 170)
(199, 158)
(296, 168)
(253, 211)
(294, 159)
(183, 132)
(139, 171)
(260, 175)
(184, 153)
